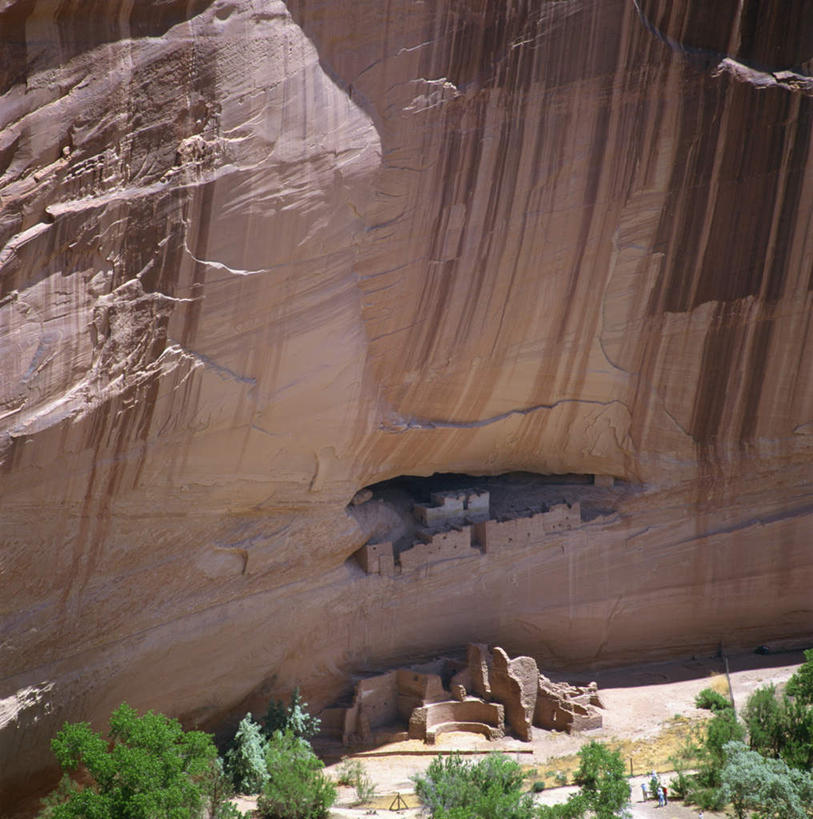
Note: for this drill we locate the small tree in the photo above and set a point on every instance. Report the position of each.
(149, 769)
(245, 760)
(294, 718)
(297, 787)
(604, 785)
(763, 719)
(780, 727)
(800, 685)
(723, 728)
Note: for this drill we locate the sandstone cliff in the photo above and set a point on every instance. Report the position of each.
(257, 256)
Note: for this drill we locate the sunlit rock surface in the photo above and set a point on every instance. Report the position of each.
(256, 256)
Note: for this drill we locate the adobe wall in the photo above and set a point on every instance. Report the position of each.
(562, 517)
(441, 546)
(496, 535)
(514, 683)
(488, 536)
(377, 558)
(375, 704)
(469, 710)
(488, 731)
(416, 689)
(453, 507)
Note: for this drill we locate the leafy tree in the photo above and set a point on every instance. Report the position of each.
(604, 786)
(765, 722)
(150, 769)
(797, 740)
(780, 727)
(293, 719)
(767, 786)
(488, 789)
(297, 787)
(800, 685)
(245, 760)
(721, 729)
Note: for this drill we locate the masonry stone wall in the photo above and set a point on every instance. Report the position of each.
(562, 517)
(440, 546)
(482, 535)
(453, 507)
(377, 558)
(452, 711)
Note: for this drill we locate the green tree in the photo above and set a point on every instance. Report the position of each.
(489, 789)
(780, 727)
(797, 739)
(293, 718)
(245, 760)
(297, 787)
(721, 729)
(769, 787)
(149, 769)
(604, 786)
(764, 720)
(800, 685)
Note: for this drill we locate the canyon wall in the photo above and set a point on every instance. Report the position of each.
(256, 256)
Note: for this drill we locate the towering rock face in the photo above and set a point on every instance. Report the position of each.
(256, 256)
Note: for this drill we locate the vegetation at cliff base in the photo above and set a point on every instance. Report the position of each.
(150, 768)
(492, 788)
(770, 775)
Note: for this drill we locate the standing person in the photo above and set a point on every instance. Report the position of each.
(661, 803)
(700, 815)
(644, 791)
(665, 795)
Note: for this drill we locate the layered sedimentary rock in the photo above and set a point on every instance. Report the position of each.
(258, 256)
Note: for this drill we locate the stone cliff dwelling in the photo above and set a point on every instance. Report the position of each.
(413, 522)
(488, 693)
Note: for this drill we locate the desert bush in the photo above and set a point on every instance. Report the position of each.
(364, 787)
(348, 772)
(771, 788)
(538, 786)
(711, 700)
(352, 774)
(297, 787)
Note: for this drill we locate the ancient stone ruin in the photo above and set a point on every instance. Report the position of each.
(487, 694)
(458, 524)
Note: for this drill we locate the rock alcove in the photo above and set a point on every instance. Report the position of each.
(411, 521)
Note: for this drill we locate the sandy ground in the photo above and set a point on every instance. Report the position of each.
(639, 702)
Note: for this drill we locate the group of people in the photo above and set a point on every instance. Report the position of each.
(657, 789)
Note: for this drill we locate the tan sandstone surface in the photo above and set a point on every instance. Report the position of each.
(257, 256)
